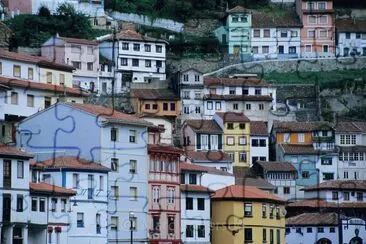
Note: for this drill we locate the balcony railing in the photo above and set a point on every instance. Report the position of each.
(320, 139)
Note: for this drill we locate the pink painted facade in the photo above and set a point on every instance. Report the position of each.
(318, 32)
(21, 6)
(164, 194)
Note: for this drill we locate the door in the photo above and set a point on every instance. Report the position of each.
(281, 49)
(6, 207)
(7, 173)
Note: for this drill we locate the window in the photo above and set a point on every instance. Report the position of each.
(311, 33)
(334, 195)
(47, 102)
(147, 47)
(80, 220)
(147, 106)
(308, 48)
(1, 68)
(172, 106)
(292, 50)
(247, 210)
(197, 95)
(46, 178)
(242, 126)
(63, 205)
(284, 33)
(114, 192)
(261, 106)
(133, 166)
(189, 203)
(42, 205)
(20, 170)
(196, 78)
(242, 140)
(171, 194)
(192, 179)
(248, 236)
(62, 79)
(133, 135)
(200, 204)
(278, 213)
(16, 71)
(124, 61)
(230, 140)
(209, 105)
(255, 50)
(243, 157)
(189, 231)
(114, 134)
(286, 190)
(204, 142)
(331, 229)
(156, 194)
(265, 49)
(312, 19)
(301, 137)
(248, 106)
(165, 106)
(114, 164)
(136, 47)
(155, 106)
(264, 211)
(305, 175)
(323, 34)
(30, 74)
(294, 34)
(288, 231)
(147, 63)
(321, 5)
(133, 193)
(323, 19)
(271, 236)
(298, 230)
(218, 106)
(14, 98)
(198, 109)
(257, 33)
(53, 204)
(245, 91)
(232, 91)
(75, 181)
(19, 203)
(171, 224)
(266, 33)
(34, 204)
(230, 126)
(135, 62)
(262, 142)
(185, 77)
(309, 230)
(125, 46)
(328, 176)
(201, 231)
(345, 174)
(359, 196)
(346, 196)
(114, 223)
(320, 230)
(76, 65)
(159, 48)
(186, 110)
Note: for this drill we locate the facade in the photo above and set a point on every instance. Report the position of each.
(259, 142)
(138, 58)
(350, 138)
(99, 134)
(165, 126)
(106, 77)
(236, 129)
(245, 214)
(252, 96)
(282, 175)
(191, 93)
(351, 37)
(318, 32)
(82, 54)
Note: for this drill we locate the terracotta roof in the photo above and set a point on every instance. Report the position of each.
(273, 20)
(277, 166)
(165, 148)
(238, 9)
(72, 163)
(233, 117)
(258, 128)
(313, 219)
(41, 61)
(354, 149)
(243, 192)
(14, 152)
(78, 41)
(198, 168)
(32, 85)
(194, 188)
(349, 127)
(110, 114)
(212, 81)
(210, 156)
(48, 189)
(238, 97)
(131, 35)
(256, 182)
(298, 149)
(191, 68)
(359, 185)
(350, 25)
(319, 203)
(154, 94)
(204, 126)
(296, 126)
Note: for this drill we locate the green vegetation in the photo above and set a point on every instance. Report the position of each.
(34, 30)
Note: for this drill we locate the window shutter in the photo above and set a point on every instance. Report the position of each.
(209, 142)
(198, 141)
(220, 142)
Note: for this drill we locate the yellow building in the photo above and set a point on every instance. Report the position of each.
(245, 214)
(236, 127)
(56, 74)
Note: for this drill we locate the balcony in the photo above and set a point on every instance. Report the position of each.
(320, 139)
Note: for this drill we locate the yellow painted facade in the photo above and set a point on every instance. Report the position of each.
(229, 223)
(293, 138)
(158, 108)
(234, 142)
(56, 77)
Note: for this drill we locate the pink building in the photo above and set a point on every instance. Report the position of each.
(318, 32)
(18, 6)
(164, 191)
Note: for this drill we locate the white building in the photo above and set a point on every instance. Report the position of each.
(138, 58)
(191, 93)
(275, 37)
(350, 138)
(166, 126)
(252, 96)
(351, 36)
(106, 76)
(259, 138)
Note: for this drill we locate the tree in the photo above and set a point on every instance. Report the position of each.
(44, 12)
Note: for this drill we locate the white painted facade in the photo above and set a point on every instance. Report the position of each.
(166, 137)
(215, 181)
(351, 42)
(7, 70)
(327, 195)
(259, 152)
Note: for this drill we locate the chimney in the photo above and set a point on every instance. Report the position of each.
(129, 26)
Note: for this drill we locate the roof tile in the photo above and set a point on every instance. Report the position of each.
(70, 162)
(277, 166)
(210, 156)
(194, 188)
(313, 219)
(13, 151)
(258, 128)
(212, 81)
(50, 189)
(233, 117)
(154, 94)
(204, 126)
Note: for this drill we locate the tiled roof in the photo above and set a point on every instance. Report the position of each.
(359, 185)
(354, 149)
(48, 189)
(350, 25)
(190, 68)
(238, 9)
(14, 152)
(194, 188)
(258, 128)
(131, 35)
(313, 219)
(198, 168)
(110, 114)
(319, 203)
(296, 126)
(238, 97)
(277, 166)
(78, 41)
(204, 126)
(256, 182)
(212, 81)
(243, 192)
(32, 85)
(154, 94)
(72, 163)
(349, 127)
(165, 148)
(41, 61)
(298, 149)
(209, 156)
(233, 117)
(273, 20)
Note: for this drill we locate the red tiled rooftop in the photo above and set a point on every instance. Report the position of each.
(238, 9)
(32, 85)
(313, 219)
(350, 25)
(258, 128)
(277, 166)
(272, 20)
(70, 162)
(296, 126)
(48, 189)
(194, 188)
(319, 203)
(243, 192)
(78, 41)
(212, 81)
(165, 148)
(13, 151)
(231, 97)
(301, 149)
(154, 94)
(358, 185)
(349, 127)
(198, 168)
(131, 35)
(209, 156)
(256, 182)
(204, 126)
(233, 117)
